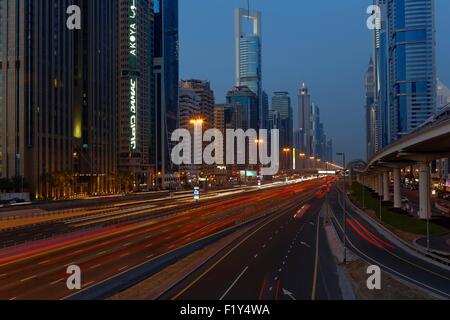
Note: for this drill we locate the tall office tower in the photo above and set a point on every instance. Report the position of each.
(166, 82)
(371, 111)
(265, 110)
(249, 105)
(315, 122)
(303, 121)
(58, 110)
(189, 107)
(443, 95)
(248, 55)
(329, 152)
(204, 92)
(281, 104)
(134, 90)
(219, 117)
(381, 74)
(412, 64)
(232, 115)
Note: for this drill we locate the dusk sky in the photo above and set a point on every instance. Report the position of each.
(324, 43)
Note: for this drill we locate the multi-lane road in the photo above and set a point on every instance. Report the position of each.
(39, 271)
(376, 247)
(282, 254)
(285, 258)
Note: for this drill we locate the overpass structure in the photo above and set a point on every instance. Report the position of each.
(430, 141)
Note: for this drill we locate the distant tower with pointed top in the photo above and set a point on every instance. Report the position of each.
(304, 120)
(248, 55)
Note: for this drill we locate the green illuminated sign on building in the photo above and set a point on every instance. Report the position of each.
(133, 79)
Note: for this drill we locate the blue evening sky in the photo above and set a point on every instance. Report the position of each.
(324, 43)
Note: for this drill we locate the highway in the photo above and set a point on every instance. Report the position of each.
(40, 271)
(286, 258)
(372, 246)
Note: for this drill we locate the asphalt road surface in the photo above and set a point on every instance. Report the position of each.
(287, 258)
(40, 272)
(364, 240)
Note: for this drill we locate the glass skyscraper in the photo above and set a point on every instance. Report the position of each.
(166, 78)
(412, 72)
(248, 55)
(281, 104)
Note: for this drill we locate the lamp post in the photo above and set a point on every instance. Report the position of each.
(303, 156)
(258, 143)
(286, 151)
(198, 124)
(343, 203)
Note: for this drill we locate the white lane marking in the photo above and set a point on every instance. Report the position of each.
(148, 245)
(256, 256)
(44, 262)
(56, 281)
(100, 253)
(124, 255)
(13, 298)
(305, 244)
(149, 256)
(95, 266)
(29, 278)
(127, 244)
(123, 268)
(264, 246)
(88, 284)
(234, 283)
(2, 275)
(148, 237)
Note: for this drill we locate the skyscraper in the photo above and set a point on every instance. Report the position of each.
(381, 74)
(248, 55)
(303, 122)
(371, 111)
(134, 92)
(58, 97)
(443, 95)
(248, 101)
(166, 82)
(412, 64)
(204, 92)
(281, 104)
(265, 110)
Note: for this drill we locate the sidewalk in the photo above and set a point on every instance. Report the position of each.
(438, 244)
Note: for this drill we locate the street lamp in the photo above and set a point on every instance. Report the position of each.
(197, 123)
(286, 151)
(258, 142)
(303, 156)
(343, 203)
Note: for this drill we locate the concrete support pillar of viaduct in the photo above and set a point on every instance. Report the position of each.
(380, 185)
(386, 196)
(424, 191)
(397, 192)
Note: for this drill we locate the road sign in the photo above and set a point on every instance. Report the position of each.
(196, 193)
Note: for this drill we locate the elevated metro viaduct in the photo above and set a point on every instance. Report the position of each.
(429, 142)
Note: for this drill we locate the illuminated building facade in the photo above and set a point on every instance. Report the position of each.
(135, 91)
(58, 110)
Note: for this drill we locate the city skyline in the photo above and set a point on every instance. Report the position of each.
(331, 78)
